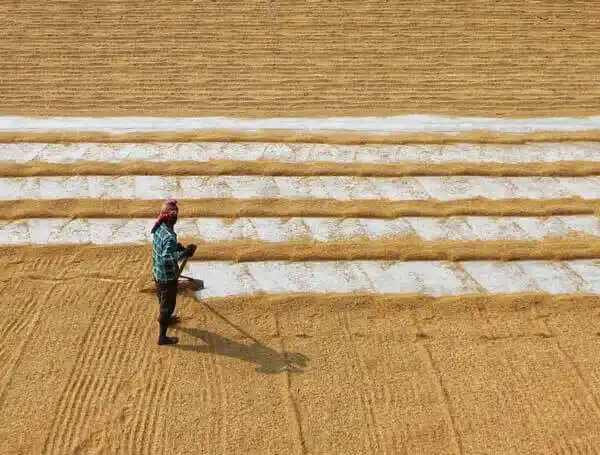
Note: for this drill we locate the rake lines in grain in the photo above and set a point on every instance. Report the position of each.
(51, 267)
(66, 395)
(371, 442)
(301, 439)
(144, 434)
(588, 390)
(96, 382)
(77, 389)
(443, 391)
(159, 439)
(12, 363)
(18, 317)
(148, 404)
(213, 396)
(147, 369)
(112, 389)
(584, 444)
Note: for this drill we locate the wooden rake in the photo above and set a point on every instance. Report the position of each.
(198, 283)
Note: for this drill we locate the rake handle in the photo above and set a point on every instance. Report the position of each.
(182, 266)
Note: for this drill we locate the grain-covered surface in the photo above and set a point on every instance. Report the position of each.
(299, 137)
(295, 58)
(284, 208)
(312, 169)
(80, 371)
(411, 248)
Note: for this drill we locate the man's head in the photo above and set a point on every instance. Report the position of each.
(169, 205)
(170, 211)
(168, 214)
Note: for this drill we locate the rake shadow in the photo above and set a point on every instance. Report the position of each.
(268, 360)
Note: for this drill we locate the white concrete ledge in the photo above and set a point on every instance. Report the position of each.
(392, 124)
(339, 188)
(436, 278)
(137, 230)
(373, 154)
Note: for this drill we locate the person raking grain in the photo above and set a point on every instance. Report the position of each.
(166, 251)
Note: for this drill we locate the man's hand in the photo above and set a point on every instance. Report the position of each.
(190, 250)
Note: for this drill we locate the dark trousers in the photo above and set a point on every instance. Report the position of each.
(166, 292)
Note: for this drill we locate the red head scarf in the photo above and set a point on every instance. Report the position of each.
(168, 211)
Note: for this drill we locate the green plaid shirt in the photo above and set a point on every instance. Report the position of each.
(165, 254)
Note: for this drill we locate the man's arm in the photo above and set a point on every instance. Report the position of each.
(172, 252)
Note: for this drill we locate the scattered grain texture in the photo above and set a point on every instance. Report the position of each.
(303, 169)
(235, 208)
(286, 374)
(300, 58)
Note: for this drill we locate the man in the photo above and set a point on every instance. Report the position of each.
(166, 251)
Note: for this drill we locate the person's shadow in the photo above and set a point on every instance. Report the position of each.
(267, 359)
